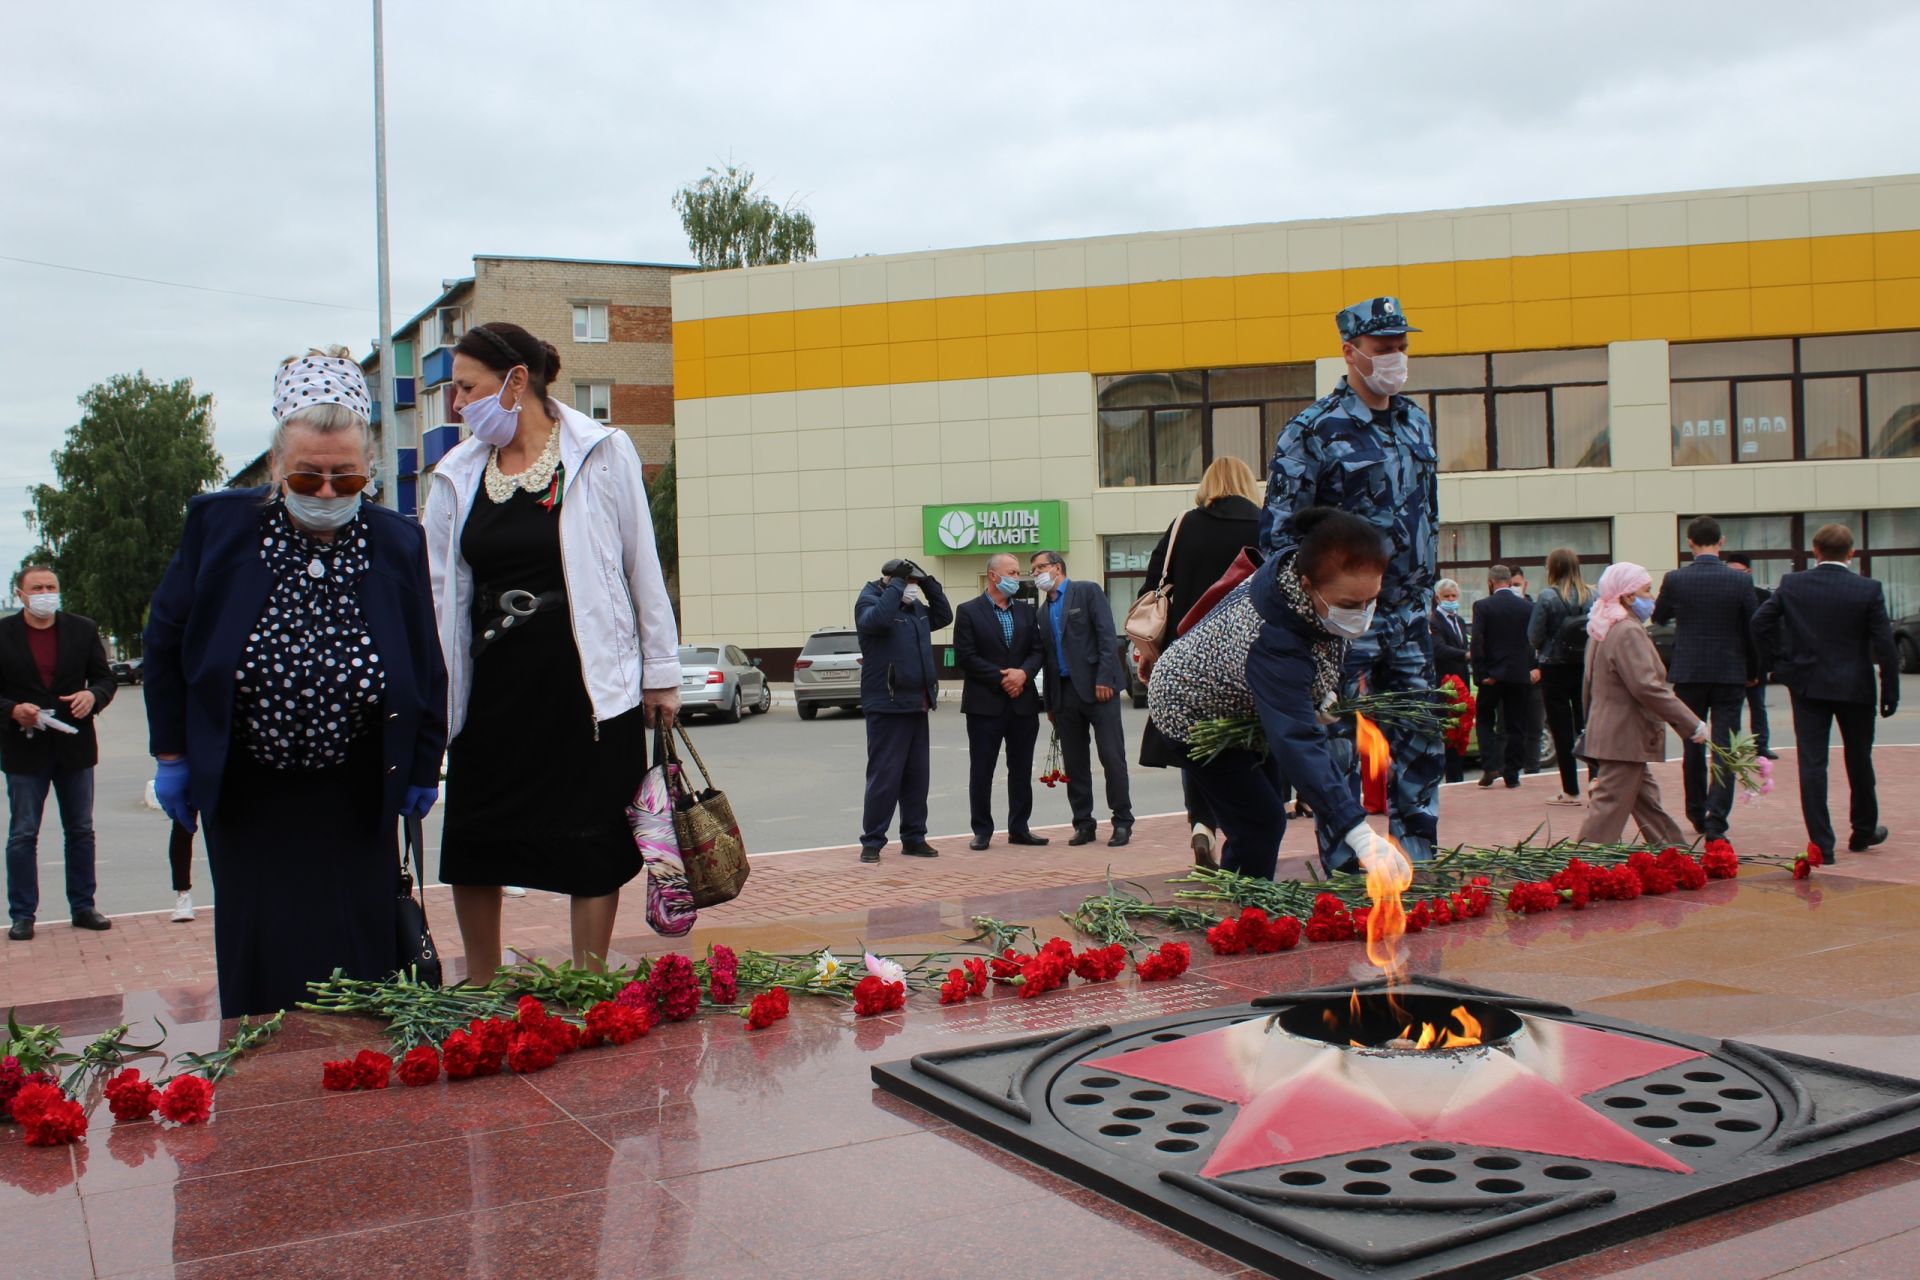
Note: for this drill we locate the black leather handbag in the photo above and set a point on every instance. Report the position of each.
(415, 940)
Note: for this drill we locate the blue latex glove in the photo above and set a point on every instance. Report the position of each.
(419, 801)
(170, 788)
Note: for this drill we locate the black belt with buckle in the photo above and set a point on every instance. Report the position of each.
(515, 607)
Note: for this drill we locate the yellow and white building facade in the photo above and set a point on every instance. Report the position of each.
(1598, 372)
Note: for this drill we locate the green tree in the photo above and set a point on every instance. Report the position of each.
(140, 450)
(730, 224)
(663, 497)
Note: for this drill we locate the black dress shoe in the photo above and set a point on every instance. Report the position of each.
(91, 919)
(1027, 837)
(22, 931)
(920, 849)
(978, 843)
(1860, 843)
(1082, 835)
(1513, 784)
(1768, 753)
(1487, 779)
(869, 855)
(1122, 832)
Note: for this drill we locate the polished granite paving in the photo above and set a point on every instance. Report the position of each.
(708, 1150)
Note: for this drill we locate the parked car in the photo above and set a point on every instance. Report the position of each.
(1906, 638)
(720, 680)
(827, 672)
(127, 672)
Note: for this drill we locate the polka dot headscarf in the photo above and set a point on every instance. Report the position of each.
(313, 380)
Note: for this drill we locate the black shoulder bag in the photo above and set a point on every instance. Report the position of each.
(415, 948)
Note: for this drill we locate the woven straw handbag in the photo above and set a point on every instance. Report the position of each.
(709, 835)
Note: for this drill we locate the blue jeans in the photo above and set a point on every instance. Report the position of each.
(26, 801)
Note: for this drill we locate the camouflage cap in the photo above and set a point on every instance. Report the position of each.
(1375, 315)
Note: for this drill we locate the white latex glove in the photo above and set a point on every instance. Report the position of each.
(912, 594)
(1699, 731)
(1374, 851)
(47, 720)
(1325, 712)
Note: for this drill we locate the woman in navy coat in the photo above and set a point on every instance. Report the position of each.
(296, 698)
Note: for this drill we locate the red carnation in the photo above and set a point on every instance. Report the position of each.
(1225, 939)
(462, 1056)
(1529, 897)
(1721, 863)
(420, 1066)
(1815, 857)
(723, 975)
(47, 1116)
(1102, 964)
(1802, 867)
(130, 1096)
(873, 995)
(676, 987)
(976, 974)
(11, 1078)
(768, 1008)
(954, 989)
(1283, 934)
(337, 1076)
(618, 1023)
(371, 1070)
(1007, 965)
(189, 1100)
(1170, 961)
(1330, 921)
(530, 1052)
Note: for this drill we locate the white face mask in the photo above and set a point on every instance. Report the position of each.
(1043, 581)
(1351, 623)
(44, 605)
(1389, 373)
(491, 422)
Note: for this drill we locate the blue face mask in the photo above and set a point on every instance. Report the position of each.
(1450, 606)
(1007, 586)
(1642, 607)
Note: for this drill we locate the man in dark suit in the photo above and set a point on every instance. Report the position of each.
(1834, 629)
(1081, 653)
(53, 680)
(996, 643)
(1504, 670)
(1714, 661)
(1741, 562)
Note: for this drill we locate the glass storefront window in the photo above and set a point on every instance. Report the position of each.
(1520, 419)
(1860, 351)
(1833, 417)
(1730, 359)
(1764, 414)
(1580, 427)
(1893, 413)
(1700, 424)
(1460, 432)
(1124, 460)
(1467, 551)
(1125, 571)
(1504, 411)
(1165, 428)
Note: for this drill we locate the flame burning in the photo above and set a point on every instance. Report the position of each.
(1432, 1037)
(1387, 921)
(1375, 763)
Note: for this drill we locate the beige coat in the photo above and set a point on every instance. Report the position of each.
(1628, 698)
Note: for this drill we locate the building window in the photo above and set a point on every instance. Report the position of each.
(1166, 428)
(595, 399)
(436, 409)
(1467, 551)
(1514, 411)
(1126, 571)
(1792, 399)
(589, 322)
(1886, 546)
(444, 327)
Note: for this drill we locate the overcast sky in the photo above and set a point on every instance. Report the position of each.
(229, 146)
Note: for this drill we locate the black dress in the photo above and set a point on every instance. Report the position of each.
(533, 797)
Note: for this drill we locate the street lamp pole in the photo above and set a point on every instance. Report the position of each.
(389, 423)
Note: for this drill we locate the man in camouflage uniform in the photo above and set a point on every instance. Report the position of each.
(1369, 451)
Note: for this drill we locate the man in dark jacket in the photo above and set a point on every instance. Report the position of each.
(996, 644)
(896, 617)
(53, 680)
(1081, 653)
(1714, 661)
(1835, 631)
(1741, 562)
(1505, 671)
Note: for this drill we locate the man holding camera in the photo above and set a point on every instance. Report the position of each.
(896, 618)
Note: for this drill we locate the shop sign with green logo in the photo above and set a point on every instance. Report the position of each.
(986, 528)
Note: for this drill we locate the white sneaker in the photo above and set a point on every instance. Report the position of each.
(183, 908)
(513, 891)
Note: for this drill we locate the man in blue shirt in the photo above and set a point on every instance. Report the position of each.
(1368, 451)
(1082, 656)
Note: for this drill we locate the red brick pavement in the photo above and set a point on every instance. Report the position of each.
(806, 899)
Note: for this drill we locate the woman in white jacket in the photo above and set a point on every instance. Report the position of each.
(559, 641)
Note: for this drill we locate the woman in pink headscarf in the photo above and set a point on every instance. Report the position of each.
(1629, 705)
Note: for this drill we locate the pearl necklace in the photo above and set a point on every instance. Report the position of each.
(537, 478)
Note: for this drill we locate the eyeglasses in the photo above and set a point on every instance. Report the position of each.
(345, 483)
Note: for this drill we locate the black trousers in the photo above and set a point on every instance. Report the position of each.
(180, 858)
(985, 735)
(1757, 714)
(1710, 800)
(1076, 720)
(1199, 808)
(1247, 796)
(1560, 687)
(1506, 720)
(1813, 720)
(898, 771)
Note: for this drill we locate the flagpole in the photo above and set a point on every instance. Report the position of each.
(389, 423)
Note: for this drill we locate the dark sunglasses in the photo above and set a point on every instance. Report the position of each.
(345, 483)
